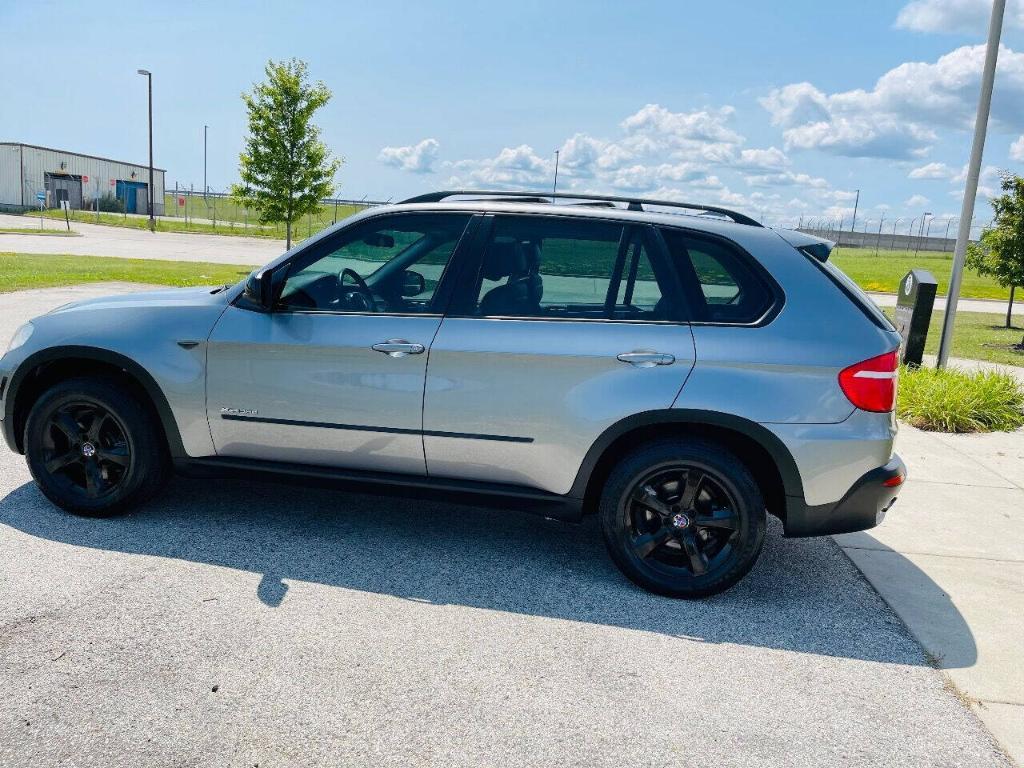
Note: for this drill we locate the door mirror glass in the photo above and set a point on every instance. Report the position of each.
(413, 283)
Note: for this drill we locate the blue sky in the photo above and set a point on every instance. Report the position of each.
(780, 110)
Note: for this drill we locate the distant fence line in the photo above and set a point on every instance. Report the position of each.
(884, 240)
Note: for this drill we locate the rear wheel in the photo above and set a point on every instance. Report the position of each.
(683, 518)
(94, 449)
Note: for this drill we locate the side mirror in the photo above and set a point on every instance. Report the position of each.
(413, 283)
(259, 289)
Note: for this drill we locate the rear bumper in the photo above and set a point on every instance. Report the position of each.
(863, 506)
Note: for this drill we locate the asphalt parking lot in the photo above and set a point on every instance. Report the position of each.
(246, 623)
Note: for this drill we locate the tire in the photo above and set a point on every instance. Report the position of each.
(668, 544)
(94, 449)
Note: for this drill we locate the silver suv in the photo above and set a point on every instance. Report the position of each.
(678, 375)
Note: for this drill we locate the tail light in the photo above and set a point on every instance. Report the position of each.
(871, 384)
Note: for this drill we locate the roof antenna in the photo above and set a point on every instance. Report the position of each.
(554, 187)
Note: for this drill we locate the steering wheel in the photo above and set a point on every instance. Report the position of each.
(362, 287)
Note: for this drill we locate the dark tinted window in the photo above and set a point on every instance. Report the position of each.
(565, 268)
(720, 283)
(397, 263)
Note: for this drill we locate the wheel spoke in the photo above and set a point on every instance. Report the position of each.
(96, 426)
(648, 497)
(66, 424)
(698, 561)
(116, 454)
(718, 518)
(691, 488)
(93, 479)
(58, 463)
(646, 543)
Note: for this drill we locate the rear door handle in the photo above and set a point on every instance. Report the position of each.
(398, 348)
(645, 359)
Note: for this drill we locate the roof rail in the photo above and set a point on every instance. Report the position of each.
(633, 203)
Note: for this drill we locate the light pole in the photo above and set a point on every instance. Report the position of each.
(204, 161)
(554, 187)
(910, 233)
(892, 241)
(920, 232)
(856, 203)
(149, 197)
(995, 29)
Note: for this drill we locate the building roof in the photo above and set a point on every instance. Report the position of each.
(79, 154)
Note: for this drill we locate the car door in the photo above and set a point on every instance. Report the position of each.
(562, 327)
(334, 374)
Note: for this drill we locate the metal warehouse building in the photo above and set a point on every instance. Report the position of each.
(26, 171)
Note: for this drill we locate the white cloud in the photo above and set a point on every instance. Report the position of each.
(770, 159)
(417, 158)
(667, 128)
(931, 171)
(511, 167)
(786, 178)
(955, 15)
(1017, 150)
(916, 201)
(897, 117)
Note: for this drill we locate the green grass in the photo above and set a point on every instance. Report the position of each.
(951, 400)
(19, 271)
(37, 231)
(977, 336)
(883, 272)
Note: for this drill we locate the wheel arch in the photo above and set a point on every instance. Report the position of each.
(763, 452)
(47, 367)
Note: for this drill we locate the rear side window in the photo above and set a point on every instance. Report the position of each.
(550, 268)
(721, 285)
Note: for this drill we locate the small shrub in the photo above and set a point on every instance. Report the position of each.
(952, 400)
(110, 203)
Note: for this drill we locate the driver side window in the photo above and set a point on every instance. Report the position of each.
(389, 264)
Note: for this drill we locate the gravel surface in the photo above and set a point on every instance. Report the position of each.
(236, 623)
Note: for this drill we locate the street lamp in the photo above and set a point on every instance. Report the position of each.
(920, 231)
(149, 198)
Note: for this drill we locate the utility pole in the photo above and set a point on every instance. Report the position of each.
(149, 197)
(554, 187)
(204, 161)
(995, 29)
(856, 203)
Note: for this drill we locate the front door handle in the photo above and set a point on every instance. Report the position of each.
(645, 359)
(398, 348)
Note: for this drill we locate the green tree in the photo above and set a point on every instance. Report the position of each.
(285, 169)
(1000, 250)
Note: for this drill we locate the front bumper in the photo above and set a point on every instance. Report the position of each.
(863, 506)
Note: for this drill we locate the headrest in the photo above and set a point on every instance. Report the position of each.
(504, 258)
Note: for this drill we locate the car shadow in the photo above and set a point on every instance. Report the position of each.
(803, 595)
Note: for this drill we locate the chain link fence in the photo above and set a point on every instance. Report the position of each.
(218, 211)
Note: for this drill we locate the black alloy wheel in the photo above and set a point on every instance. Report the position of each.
(683, 518)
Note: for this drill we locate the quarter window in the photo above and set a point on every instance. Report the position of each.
(721, 285)
(563, 268)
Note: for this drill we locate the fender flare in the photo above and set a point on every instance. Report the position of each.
(55, 354)
(764, 437)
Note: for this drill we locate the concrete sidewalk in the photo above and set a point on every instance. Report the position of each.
(949, 559)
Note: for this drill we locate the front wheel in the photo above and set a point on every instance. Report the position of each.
(683, 518)
(93, 448)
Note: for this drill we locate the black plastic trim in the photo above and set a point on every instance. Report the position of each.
(858, 510)
(783, 459)
(129, 366)
(421, 486)
(368, 428)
